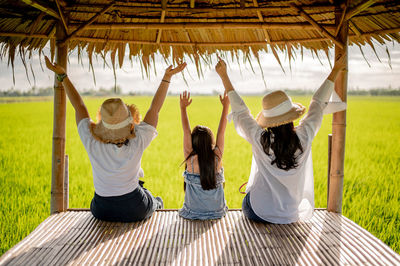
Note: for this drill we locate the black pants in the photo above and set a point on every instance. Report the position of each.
(131, 207)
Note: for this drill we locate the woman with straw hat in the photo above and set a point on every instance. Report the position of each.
(280, 187)
(115, 146)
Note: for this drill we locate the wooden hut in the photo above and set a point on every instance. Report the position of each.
(195, 28)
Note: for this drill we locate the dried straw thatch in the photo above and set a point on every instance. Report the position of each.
(178, 28)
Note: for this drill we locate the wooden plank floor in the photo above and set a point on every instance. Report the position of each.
(76, 238)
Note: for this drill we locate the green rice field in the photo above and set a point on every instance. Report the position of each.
(371, 194)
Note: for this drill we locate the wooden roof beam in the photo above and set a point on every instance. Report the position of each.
(164, 8)
(354, 28)
(242, 4)
(82, 27)
(42, 7)
(63, 20)
(23, 35)
(344, 12)
(125, 6)
(359, 8)
(294, 41)
(317, 26)
(202, 25)
(275, 42)
(36, 23)
(260, 17)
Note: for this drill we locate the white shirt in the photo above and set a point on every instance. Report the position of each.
(280, 196)
(116, 170)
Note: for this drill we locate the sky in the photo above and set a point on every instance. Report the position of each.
(303, 73)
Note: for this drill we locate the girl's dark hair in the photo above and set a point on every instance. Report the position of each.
(202, 144)
(284, 143)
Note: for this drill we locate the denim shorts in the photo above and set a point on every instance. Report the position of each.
(131, 207)
(203, 204)
(248, 211)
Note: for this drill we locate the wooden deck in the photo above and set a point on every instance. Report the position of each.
(76, 238)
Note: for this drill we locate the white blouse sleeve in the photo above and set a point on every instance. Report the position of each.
(311, 123)
(145, 134)
(84, 132)
(244, 122)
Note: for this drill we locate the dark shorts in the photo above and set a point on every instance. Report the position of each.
(248, 211)
(131, 207)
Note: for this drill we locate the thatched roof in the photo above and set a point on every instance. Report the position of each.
(176, 28)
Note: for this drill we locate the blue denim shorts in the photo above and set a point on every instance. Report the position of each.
(248, 211)
(203, 204)
(131, 207)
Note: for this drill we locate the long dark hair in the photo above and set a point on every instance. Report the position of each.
(284, 143)
(202, 144)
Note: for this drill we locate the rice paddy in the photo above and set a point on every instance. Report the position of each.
(371, 194)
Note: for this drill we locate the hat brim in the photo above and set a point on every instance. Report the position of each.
(294, 113)
(116, 136)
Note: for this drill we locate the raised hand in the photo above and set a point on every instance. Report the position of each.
(185, 100)
(170, 71)
(54, 67)
(220, 67)
(340, 64)
(224, 100)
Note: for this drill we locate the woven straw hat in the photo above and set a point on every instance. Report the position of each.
(278, 109)
(116, 122)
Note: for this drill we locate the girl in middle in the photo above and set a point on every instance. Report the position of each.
(204, 177)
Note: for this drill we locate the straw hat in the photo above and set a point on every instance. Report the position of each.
(278, 109)
(116, 122)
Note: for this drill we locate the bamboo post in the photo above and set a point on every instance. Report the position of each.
(58, 161)
(329, 161)
(66, 183)
(338, 126)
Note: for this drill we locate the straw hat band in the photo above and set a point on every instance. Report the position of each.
(280, 109)
(119, 125)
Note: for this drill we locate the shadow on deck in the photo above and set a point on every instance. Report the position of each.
(76, 238)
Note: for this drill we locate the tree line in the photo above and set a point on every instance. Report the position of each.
(48, 91)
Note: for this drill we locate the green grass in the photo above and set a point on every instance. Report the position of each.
(372, 166)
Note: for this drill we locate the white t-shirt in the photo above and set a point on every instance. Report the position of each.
(280, 196)
(116, 170)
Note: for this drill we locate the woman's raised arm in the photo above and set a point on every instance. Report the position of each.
(76, 100)
(311, 123)
(151, 117)
(223, 74)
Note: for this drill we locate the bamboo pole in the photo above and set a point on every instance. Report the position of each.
(42, 7)
(58, 160)
(84, 26)
(359, 8)
(66, 183)
(261, 19)
(329, 161)
(339, 26)
(133, 7)
(355, 29)
(288, 41)
(202, 25)
(64, 21)
(204, 44)
(317, 26)
(164, 6)
(23, 35)
(338, 127)
(36, 23)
